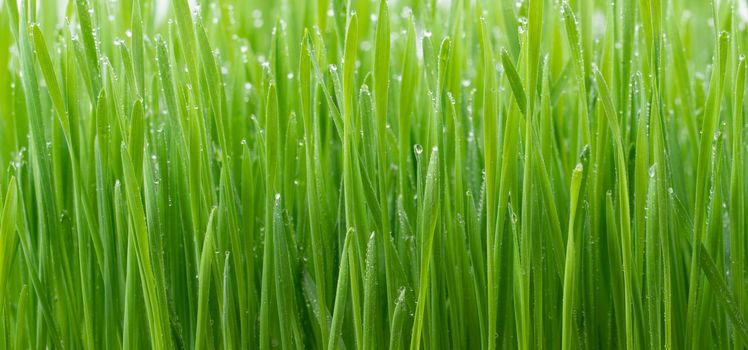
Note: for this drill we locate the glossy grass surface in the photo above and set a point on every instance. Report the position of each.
(361, 174)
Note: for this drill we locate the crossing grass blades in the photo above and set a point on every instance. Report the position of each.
(357, 174)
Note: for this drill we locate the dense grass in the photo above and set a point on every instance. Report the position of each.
(360, 174)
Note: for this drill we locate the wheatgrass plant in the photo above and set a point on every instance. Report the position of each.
(339, 174)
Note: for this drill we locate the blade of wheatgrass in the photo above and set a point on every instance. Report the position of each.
(381, 100)
(520, 282)
(105, 220)
(214, 86)
(571, 267)
(532, 55)
(21, 330)
(327, 92)
(370, 295)
(652, 263)
(623, 204)
(460, 283)
(571, 26)
(8, 237)
(509, 19)
(523, 236)
(543, 164)
(616, 275)
(427, 227)
(349, 162)
(85, 288)
(101, 155)
(355, 281)
(204, 279)
(186, 31)
(305, 95)
(514, 81)
(136, 139)
(628, 28)
(166, 78)
(351, 47)
(154, 304)
(363, 125)
(641, 180)
(709, 127)
(227, 334)
(130, 331)
(284, 282)
(723, 293)
(408, 85)
(508, 179)
(248, 216)
(737, 190)
(660, 149)
(341, 295)
(491, 144)
(706, 298)
(596, 289)
(354, 213)
(235, 240)
(138, 49)
(272, 185)
(47, 68)
(128, 78)
(398, 321)
(85, 12)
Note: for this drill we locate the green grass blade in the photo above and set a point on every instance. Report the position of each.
(204, 278)
(430, 209)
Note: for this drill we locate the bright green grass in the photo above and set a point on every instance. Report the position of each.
(340, 174)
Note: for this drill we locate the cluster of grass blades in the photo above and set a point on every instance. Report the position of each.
(371, 174)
